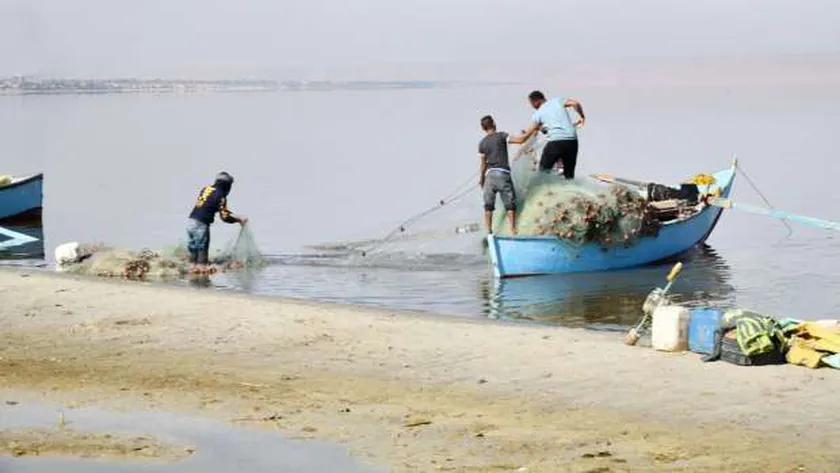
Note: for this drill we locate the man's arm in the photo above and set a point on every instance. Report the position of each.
(572, 103)
(519, 139)
(228, 216)
(483, 170)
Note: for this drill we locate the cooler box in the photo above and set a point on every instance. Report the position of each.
(702, 325)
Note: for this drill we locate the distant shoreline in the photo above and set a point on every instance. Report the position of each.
(30, 86)
(783, 70)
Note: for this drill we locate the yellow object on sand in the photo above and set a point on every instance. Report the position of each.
(818, 336)
(5, 180)
(799, 354)
(811, 342)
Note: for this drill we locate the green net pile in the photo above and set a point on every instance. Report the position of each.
(170, 264)
(143, 265)
(578, 211)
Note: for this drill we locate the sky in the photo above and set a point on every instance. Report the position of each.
(271, 37)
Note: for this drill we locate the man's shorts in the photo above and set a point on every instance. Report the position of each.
(501, 183)
(198, 237)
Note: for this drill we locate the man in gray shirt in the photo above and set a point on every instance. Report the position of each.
(495, 172)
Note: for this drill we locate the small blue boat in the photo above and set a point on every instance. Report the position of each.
(524, 256)
(23, 195)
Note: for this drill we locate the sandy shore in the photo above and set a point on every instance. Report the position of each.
(69, 442)
(411, 392)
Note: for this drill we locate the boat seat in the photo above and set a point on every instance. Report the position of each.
(664, 210)
(665, 204)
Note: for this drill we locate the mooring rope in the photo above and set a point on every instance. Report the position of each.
(762, 196)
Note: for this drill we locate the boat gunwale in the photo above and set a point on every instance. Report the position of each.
(23, 181)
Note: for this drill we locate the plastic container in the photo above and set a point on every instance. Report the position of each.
(701, 330)
(669, 330)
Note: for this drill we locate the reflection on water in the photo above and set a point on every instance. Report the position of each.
(606, 300)
(444, 284)
(201, 280)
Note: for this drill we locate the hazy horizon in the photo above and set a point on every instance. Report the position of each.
(106, 38)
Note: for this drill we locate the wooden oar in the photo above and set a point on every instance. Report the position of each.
(780, 214)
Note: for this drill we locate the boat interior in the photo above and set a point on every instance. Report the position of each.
(667, 204)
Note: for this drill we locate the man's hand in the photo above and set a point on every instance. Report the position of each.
(243, 220)
(572, 103)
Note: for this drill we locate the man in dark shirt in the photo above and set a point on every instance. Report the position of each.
(495, 172)
(211, 199)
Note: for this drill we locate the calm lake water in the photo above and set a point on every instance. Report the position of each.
(320, 167)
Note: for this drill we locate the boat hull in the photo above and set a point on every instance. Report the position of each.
(525, 256)
(21, 197)
(27, 240)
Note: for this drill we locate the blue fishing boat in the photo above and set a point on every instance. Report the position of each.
(21, 195)
(513, 256)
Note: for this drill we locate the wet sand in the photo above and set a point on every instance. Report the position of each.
(410, 392)
(68, 442)
(92, 440)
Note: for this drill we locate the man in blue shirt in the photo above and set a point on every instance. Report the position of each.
(552, 118)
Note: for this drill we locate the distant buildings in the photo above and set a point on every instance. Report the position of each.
(27, 85)
(22, 85)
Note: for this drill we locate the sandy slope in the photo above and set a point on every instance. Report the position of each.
(412, 392)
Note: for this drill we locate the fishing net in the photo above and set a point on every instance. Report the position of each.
(578, 211)
(451, 233)
(170, 264)
(115, 263)
(242, 250)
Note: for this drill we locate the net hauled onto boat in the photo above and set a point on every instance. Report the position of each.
(578, 211)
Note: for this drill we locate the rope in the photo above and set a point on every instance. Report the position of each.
(761, 195)
(459, 193)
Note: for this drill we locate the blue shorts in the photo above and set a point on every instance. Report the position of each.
(198, 238)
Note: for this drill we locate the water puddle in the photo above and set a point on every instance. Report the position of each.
(219, 447)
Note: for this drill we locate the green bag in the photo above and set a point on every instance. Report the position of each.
(757, 334)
